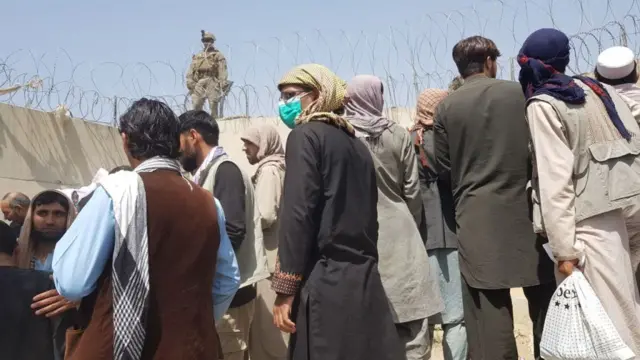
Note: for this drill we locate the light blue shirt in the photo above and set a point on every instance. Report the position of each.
(43, 266)
(82, 254)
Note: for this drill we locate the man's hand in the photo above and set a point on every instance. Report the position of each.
(282, 313)
(50, 303)
(565, 267)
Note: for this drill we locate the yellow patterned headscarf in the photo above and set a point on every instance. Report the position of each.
(331, 94)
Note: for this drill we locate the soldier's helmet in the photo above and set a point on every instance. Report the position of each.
(207, 37)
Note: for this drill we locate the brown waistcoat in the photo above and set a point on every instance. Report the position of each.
(183, 245)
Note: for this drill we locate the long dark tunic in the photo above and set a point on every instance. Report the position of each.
(24, 335)
(437, 197)
(327, 249)
(482, 138)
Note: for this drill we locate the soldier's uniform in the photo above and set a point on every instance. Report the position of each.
(207, 77)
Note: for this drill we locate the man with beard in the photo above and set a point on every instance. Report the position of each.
(214, 170)
(47, 220)
(14, 207)
(24, 277)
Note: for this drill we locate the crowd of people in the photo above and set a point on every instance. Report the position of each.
(354, 239)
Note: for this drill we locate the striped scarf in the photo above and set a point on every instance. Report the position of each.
(130, 266)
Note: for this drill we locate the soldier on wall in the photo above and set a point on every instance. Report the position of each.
(207, 76)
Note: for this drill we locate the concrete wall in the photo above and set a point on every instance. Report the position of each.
(39, 151)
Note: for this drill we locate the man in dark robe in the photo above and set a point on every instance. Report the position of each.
(328, 259)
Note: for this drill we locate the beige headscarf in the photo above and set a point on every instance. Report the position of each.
(428, 102)
(24, 252)
(269, 144)
(331, 94)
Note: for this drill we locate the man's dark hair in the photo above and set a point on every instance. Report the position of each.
(83, 202)
(629, 79)
(470, 54)
(17, 199)
(152, 130)
(8, 240)
(201, 122)
(120, 168)
(51, 197)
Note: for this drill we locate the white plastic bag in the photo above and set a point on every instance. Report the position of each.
(578, 328)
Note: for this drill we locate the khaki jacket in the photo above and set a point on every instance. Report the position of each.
(268, 181)
(251, 256)
(582, 166)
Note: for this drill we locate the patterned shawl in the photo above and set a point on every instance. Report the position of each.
(364, 106)
(428, 102)
(331, 94)
(543, 59)
(269, 144)
(130, 263)
(24, 252)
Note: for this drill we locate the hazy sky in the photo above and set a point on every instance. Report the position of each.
(135, 48)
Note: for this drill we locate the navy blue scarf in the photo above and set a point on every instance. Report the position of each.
(543, 59)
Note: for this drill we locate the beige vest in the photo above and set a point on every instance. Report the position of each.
(606, 172)
(251, 256)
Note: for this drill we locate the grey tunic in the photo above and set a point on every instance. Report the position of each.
(403, 262)
(436, 196)
(481, 137)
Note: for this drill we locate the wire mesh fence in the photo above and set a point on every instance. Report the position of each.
(408, 58)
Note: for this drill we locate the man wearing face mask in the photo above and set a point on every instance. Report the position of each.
(330, 296)
(216, 172)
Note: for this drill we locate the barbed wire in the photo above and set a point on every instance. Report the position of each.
(407, 58)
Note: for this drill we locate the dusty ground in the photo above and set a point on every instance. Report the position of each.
(522, 329)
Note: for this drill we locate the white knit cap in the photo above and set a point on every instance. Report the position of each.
(616, 62)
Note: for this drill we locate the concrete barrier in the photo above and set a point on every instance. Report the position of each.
(39, 151)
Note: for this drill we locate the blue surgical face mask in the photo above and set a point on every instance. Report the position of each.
(289, 111)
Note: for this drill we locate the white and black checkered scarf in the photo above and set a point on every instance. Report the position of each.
(130, 267)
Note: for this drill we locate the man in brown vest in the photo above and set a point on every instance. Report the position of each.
(145, 245)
